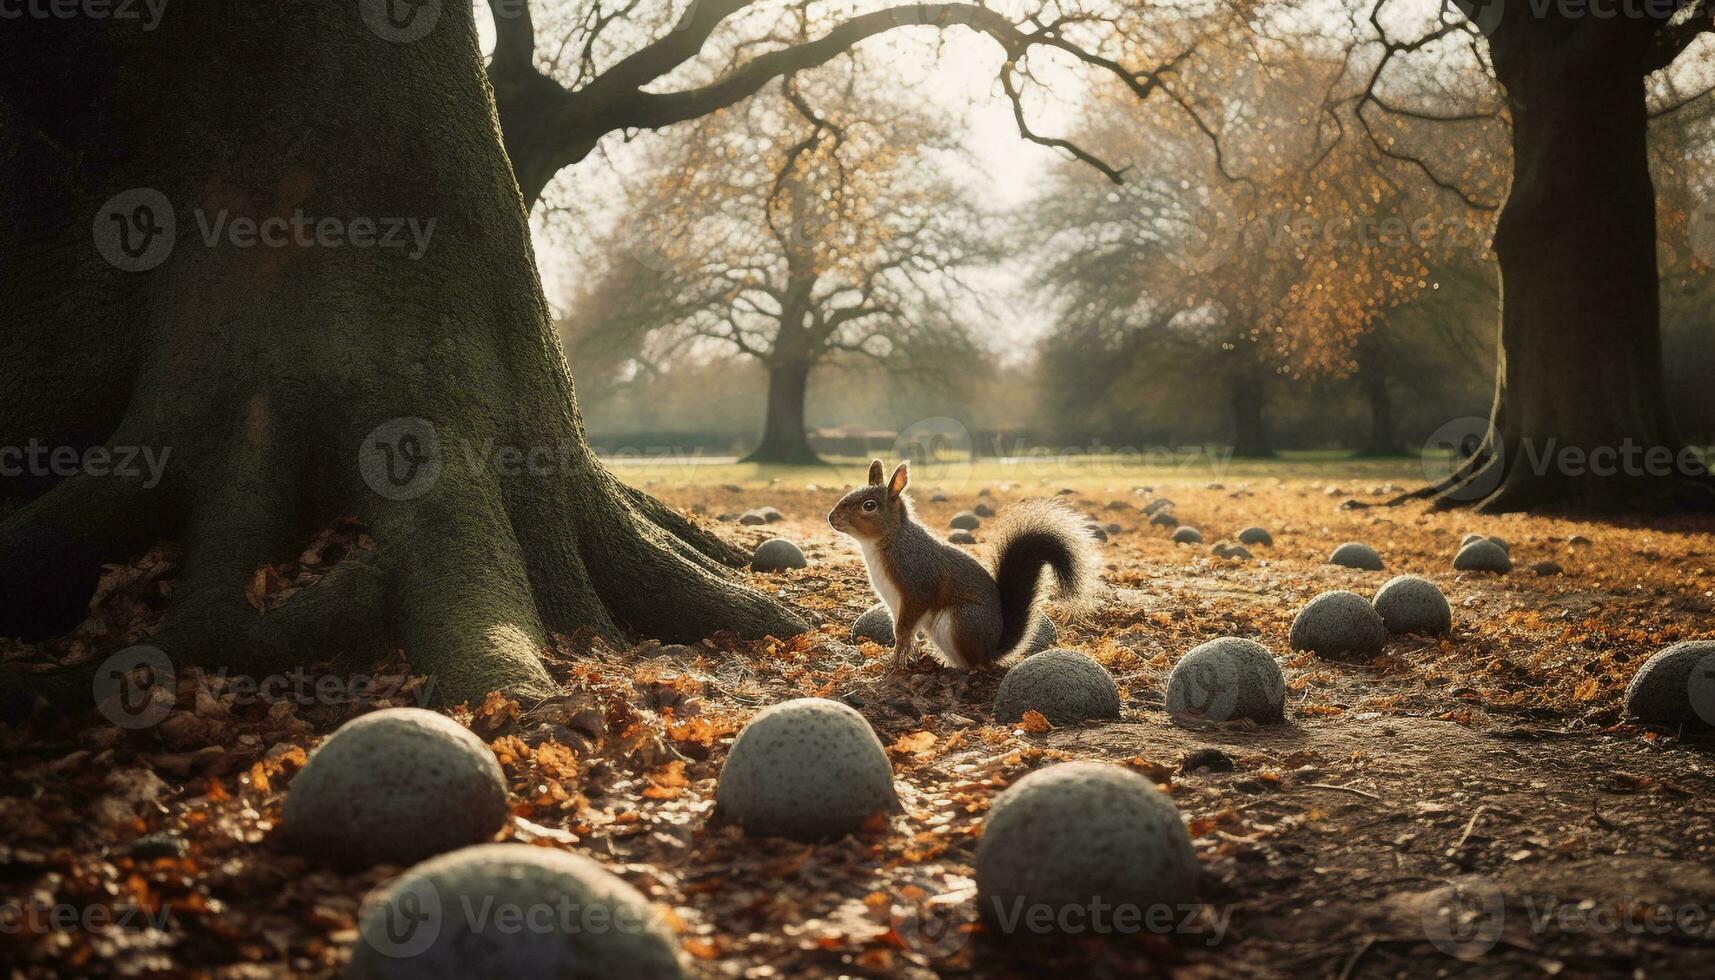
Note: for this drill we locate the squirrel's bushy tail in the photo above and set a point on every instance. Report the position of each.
(1029, 536)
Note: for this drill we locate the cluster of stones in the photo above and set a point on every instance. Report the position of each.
(1160, 513)
(406, 786)
(1342, 625)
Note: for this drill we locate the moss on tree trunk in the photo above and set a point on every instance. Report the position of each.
(416, 384)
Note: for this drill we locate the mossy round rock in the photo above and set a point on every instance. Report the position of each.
(394, 787)
(1078, 833)
(777, 555)
(876, 624)
(1187, 535)
(510, 912)
(1676, 686)
(808, 769)
(965, 520)
(1355, 554)
(1339, 624)
(1482, 556)
(1066, 686)
(1228, 678)
(1413, 604)
(1256, 535)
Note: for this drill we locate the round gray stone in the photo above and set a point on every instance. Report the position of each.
(770, 514)
(1256, 535)
(1157, 505)
(1076, 833)
(983, 510)
(962, 537)
(1676, 686)
(751, 517)
(1338, 624)
(1228, 678)
(1064, 685)
(1482, 556)
(1413, 604)
(777, 555)
(393, 787)
(510, 912)
(1354, 554)
(809, 769)
(1164, 519)
(1467, 539)
(875, 624)
(1226, 549)
(1188, 535)
(964, 520)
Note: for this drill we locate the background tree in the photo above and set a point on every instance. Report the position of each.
(638, 65)
(851, 241)
(277, 375)
(1281, 244)
(1576, 239)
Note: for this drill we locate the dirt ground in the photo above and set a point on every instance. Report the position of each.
(1473, 806)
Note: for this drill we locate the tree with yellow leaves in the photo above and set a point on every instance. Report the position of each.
(798, 236)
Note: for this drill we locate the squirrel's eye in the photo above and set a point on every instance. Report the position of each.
(869, 505)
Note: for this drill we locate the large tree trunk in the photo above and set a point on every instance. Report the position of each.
(784, 437)
(1247, 395)
(1373, 376)
(420, 388)
(1580, 420)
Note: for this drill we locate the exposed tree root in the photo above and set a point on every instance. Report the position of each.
(471, 601)
(1501, 483)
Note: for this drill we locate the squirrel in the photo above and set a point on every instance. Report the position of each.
(975, 616)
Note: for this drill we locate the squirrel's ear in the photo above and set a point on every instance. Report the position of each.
(875, 473)
(901, 476)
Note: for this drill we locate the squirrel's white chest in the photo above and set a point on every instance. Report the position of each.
(878, 579)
